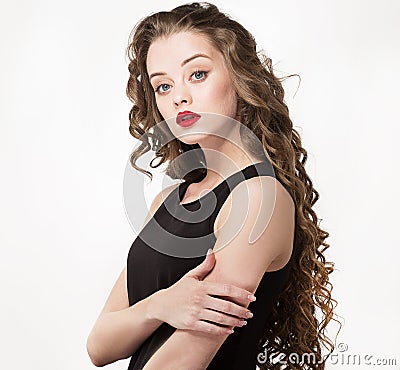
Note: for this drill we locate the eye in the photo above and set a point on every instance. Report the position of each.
(197, 73)
(158, 88)
(200, 76)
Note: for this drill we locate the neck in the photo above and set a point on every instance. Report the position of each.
(224, 156)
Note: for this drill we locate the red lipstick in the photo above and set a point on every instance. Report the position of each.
(187, 118)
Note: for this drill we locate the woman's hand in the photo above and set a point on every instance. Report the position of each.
(190, 300)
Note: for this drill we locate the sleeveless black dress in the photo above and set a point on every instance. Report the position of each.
(179, 236)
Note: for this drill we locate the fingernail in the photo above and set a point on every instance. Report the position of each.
(251, 297)
(209, 251)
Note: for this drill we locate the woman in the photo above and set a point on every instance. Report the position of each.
(194, 73)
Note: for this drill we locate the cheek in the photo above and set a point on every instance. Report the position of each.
(223, 95)
(161, 107)
(218, 91)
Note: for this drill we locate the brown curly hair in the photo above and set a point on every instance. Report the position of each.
(293, 326)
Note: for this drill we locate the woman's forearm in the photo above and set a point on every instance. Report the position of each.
(117, 335)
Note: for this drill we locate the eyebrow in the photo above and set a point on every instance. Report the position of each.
(182, 64)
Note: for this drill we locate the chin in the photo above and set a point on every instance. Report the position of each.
(191, 139)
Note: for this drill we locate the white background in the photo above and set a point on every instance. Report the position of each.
(64, 144)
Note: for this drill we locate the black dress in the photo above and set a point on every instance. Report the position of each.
(179, 238)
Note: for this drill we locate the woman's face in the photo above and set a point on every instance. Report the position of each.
(182, 80)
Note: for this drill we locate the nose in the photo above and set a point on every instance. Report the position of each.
(179, 100)
(181, 97)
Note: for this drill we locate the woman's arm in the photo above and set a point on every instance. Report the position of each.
(120, 329)
(238, 263)
(117, 334)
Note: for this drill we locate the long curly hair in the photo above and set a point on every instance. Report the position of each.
(293, 326)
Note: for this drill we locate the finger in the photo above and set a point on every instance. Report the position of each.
(221, 318)
(212, 329)
(204, 268)
(229, 290)
(227, 307)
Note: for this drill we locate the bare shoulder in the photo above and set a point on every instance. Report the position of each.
(158, 200)
(270, 198)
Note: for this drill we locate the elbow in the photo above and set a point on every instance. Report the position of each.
(95, 360)
(90, 348)
(97, 357)
(97, 364)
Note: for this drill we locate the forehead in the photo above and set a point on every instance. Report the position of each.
(172, 50)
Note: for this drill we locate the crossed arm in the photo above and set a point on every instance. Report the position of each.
(193, 350)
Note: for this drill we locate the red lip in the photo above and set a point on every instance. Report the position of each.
(182, 118)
